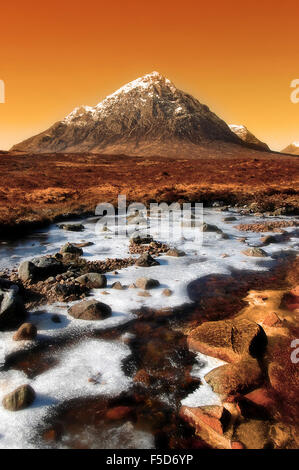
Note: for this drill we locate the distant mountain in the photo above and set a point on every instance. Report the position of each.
(292, 148)
(148, 116)
(248, 137)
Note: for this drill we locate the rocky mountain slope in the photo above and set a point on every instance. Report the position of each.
(148, 116)
(248, 137)
(292, 148)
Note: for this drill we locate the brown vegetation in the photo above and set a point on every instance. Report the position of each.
(42, 188)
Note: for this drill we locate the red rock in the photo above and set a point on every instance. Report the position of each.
(207, 421)
(228, 340)
(230, 379)
(261, 397)
(118, 412)
(26, 331)
(271, 320)
(237, 445)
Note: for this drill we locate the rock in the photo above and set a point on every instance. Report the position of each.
(70, 291)
(237, 445)
(209, 423)
(146, 260)
(167, 292)
(26, 271)
(83, 244)
(261, 397)
(175, 252)
(254, 434)
(90, 310)
(230, 379)
(92, 280)
(27, 331)
(146, 283)
(69, 248)
(12, 309)
(210, 228)
(268, 239)
(257, 252)
(272, 320)
(72, 227)
(117, 285)
(118, 412)
(229, 218)
(20, 398)
(141, 240)
(281, 435)
(229, 340)
(46, 266)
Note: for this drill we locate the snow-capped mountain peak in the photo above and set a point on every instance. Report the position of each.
(146, 116)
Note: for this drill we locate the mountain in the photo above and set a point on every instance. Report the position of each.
(292, 148)
(148, 116)
(248, 137)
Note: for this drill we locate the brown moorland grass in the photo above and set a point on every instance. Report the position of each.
(36, 189)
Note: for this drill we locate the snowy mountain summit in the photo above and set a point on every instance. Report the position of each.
(292, 148)
(148, 116)
(248, 137)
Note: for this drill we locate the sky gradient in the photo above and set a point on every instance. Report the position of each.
(239, 58)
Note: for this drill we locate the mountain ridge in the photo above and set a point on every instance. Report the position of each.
(146, 116)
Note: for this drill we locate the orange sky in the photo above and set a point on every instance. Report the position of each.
(238, 57)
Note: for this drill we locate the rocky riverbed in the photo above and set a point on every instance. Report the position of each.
(119, 342)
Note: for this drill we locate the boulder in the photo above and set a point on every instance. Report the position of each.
(254, 434)
(268, 239)
(209, 423)
(141, 240)
(92, 280)
(72, 227)
(281, 435)
(90, 310)
(117, 285)
(229, 218)
(272, 320)
(210, 228)
(26, 271)
(12, 309)
(167, 292)
(20, 398)
(27, 331)
(229, 340)
(146, 260)
(175, 252)
(230, 379)
(39, 268)
(256, 252)
(72, 249)
(146, 283)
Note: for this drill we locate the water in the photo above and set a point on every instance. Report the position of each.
(65, 356)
